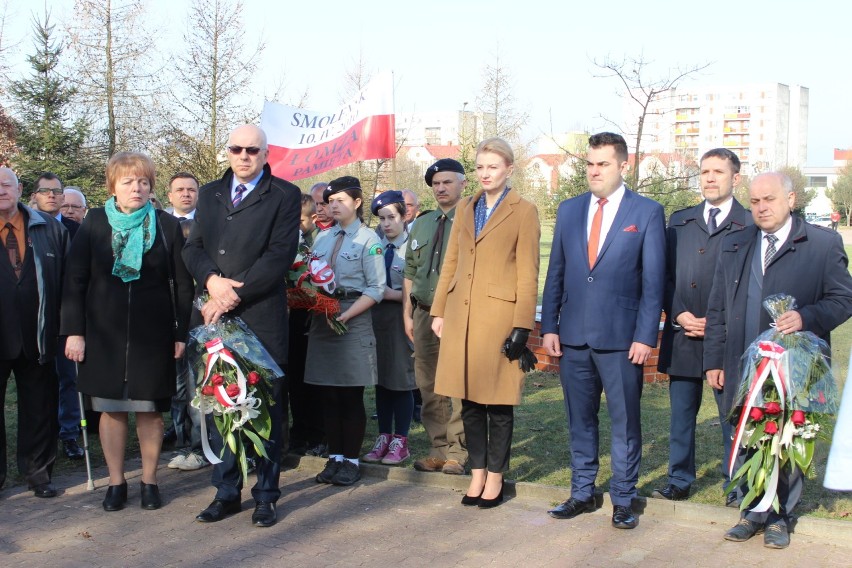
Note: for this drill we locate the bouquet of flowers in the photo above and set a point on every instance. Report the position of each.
(234, 375)
(310, 286)
(785, 397)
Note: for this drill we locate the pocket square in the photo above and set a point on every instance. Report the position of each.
(631, 229)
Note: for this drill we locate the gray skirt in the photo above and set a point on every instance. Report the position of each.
(347, 360)
(396, 365)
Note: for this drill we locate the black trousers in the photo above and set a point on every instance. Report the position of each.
(38, 422)
(345, 420)
(488, 431)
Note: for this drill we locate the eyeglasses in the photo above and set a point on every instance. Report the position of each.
(72, 207)
(46, 190)
(250, 150)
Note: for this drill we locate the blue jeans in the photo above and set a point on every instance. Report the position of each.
(69, 402)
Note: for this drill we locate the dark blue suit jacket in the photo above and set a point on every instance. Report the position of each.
(619, 300)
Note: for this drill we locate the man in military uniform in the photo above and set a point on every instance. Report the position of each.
(441, 416)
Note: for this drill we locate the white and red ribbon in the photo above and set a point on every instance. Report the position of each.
(774, 365)
(244, 404)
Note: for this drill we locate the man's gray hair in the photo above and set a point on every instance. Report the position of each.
(782, 178)
(11, 172)
(76, 191)
(412, 194)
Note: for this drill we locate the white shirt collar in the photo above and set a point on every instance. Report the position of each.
(724, 211)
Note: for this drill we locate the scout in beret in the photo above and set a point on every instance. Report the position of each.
(443, 165)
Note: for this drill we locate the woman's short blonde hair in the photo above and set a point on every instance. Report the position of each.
(122, 163)
(497, 146)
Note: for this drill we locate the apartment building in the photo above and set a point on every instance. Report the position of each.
(766, 124)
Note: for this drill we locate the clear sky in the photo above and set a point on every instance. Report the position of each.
(438, 50)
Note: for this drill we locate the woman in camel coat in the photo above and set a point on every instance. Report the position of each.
(487, 293)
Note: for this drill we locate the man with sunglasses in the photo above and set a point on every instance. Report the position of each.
(49, 198)
(239, 250)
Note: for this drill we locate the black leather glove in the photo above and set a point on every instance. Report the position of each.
(515, 343)
(528, 360)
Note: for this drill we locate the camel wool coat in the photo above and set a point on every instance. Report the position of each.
(488, 286)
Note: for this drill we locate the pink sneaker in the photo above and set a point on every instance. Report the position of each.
(380, 448)
(397, 451)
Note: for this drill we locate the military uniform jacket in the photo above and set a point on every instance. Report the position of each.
(690, 262)
(420, 251)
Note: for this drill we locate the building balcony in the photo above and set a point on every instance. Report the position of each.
(737, 115)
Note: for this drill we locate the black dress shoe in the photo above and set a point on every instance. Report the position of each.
(671, 493)
(116, 497)
(743, 530)
(264, 514)
(218, 510)
(776, 536)
(44, 490)
(571, 508)
(490, 503)
(623, 517)
(73, 451)
(150, 495)
(469, 501)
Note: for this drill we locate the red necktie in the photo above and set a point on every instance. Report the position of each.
(595, 234)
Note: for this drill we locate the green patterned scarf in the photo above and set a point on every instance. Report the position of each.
(132, 236)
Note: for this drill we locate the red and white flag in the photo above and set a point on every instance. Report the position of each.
(304, 143)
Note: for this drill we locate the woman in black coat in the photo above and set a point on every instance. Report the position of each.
(125, 310)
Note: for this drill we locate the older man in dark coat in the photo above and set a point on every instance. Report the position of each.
(240, 248)
(31, 268)
(781, 254)
(693, 238)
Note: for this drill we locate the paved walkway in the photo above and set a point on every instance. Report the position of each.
(381, 521)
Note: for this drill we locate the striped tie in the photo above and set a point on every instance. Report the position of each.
(238, 195)
(770, 250)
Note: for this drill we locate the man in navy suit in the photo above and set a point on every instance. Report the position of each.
(601, 314)
(779, 254)
(693, 237)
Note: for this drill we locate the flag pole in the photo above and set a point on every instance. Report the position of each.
(393, 106)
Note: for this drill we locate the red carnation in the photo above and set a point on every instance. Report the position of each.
(756, 414)
(232, 390)
(772, 408)
(798, 417)
(253, 378)
(821, 397)
(218, 379)
(771, 427)
(207, 390)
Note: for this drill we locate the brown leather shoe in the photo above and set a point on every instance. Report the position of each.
(429, 464)
(453, 467)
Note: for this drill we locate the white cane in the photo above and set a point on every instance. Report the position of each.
(90, 484)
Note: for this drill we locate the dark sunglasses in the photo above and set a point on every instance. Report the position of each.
(46, 190)
(250, 150)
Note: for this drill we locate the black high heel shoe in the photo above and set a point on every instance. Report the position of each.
(489, 503)
(150, 495)
(469, 501)
(116, 497)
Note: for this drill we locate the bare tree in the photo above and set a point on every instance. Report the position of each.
(647, 93)
(113, 73)
(501, 115)
(211, 93)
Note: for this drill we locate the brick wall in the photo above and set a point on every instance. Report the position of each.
(551, 364)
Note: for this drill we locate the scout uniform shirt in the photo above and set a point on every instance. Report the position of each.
(421, 250)
(360, 265)
(397, 267)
